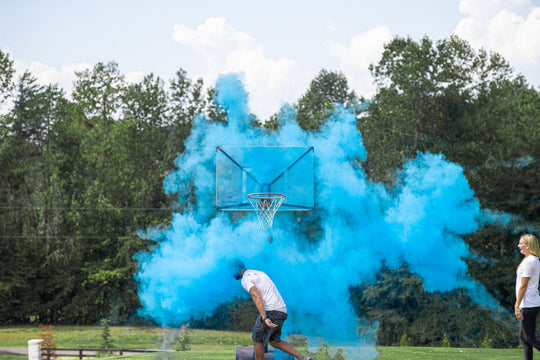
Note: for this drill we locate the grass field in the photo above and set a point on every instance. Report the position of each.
(212, 345)
(123, 337)
(430, 353)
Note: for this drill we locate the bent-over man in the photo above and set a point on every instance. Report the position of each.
(272, 311)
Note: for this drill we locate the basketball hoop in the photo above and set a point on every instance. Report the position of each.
(266, 205)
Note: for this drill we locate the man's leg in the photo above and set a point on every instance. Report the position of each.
(258, 348)
(276, 341)
(288, 348)
(260, 336)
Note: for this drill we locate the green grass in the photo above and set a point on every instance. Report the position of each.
(123, 337)
(13, 357)
(182, 355)
(431, 353)
(211, 345)
(205, 344)
(387, 353)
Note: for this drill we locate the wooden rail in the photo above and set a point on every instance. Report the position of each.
(89, 352)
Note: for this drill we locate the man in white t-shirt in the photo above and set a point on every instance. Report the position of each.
(272, 311)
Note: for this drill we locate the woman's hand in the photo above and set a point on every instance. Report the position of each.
(517, 312)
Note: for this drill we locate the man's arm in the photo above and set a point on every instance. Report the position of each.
(257, 299)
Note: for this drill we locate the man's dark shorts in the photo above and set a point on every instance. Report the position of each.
(265, 334)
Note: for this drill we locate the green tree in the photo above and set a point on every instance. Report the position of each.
(107, 343)
(143, 141)
(426, 94)
(49, 345)
(28, 199)
(486, 343)
(116, 195)
(187, 97)
(499, 146)
(404, 340)
(272, 124)
(445, 342)
(6, 76)
(186, 100)
(397, 301)
(80, 179)
(327, 89)
(444, 97)
(146, 103)
(99, 91)
(183, 338)
(65, 274)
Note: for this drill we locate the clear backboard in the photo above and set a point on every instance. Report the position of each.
(242, 170)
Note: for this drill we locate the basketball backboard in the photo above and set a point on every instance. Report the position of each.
(242, 170)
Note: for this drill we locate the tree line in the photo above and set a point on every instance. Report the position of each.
(80, 175)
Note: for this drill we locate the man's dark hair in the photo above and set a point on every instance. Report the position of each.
(237, 266)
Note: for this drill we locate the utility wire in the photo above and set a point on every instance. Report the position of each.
(82, 208)
(61, 237)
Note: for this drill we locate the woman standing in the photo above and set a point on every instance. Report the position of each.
(527, 297)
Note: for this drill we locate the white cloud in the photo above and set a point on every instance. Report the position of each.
(330, 26)
(215, 35)
(509, 27)
(355, 58)
(134, 76)
(225, 50)
(46, 74)
(484, 10)
(63, 76)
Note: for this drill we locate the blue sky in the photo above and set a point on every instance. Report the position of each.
(278, 45)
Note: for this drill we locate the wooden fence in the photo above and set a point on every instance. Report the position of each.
(48, 354)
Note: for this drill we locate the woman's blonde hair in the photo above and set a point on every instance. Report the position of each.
(532, 242)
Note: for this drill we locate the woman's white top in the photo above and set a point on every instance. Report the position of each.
(529, 267)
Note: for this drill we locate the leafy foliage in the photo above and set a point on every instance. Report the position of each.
(398, 302)
(445, 343)
(78, 181)
(107, 343)
(49, 345)
(6, 76)
(327, 89)
(404, 340)
(183, 339)
(487, 342)
(444, 97)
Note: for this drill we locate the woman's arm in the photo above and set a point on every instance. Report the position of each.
(520, 296)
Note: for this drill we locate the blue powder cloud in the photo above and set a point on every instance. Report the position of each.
(363, 226)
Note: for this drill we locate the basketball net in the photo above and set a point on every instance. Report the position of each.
(266, 205)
